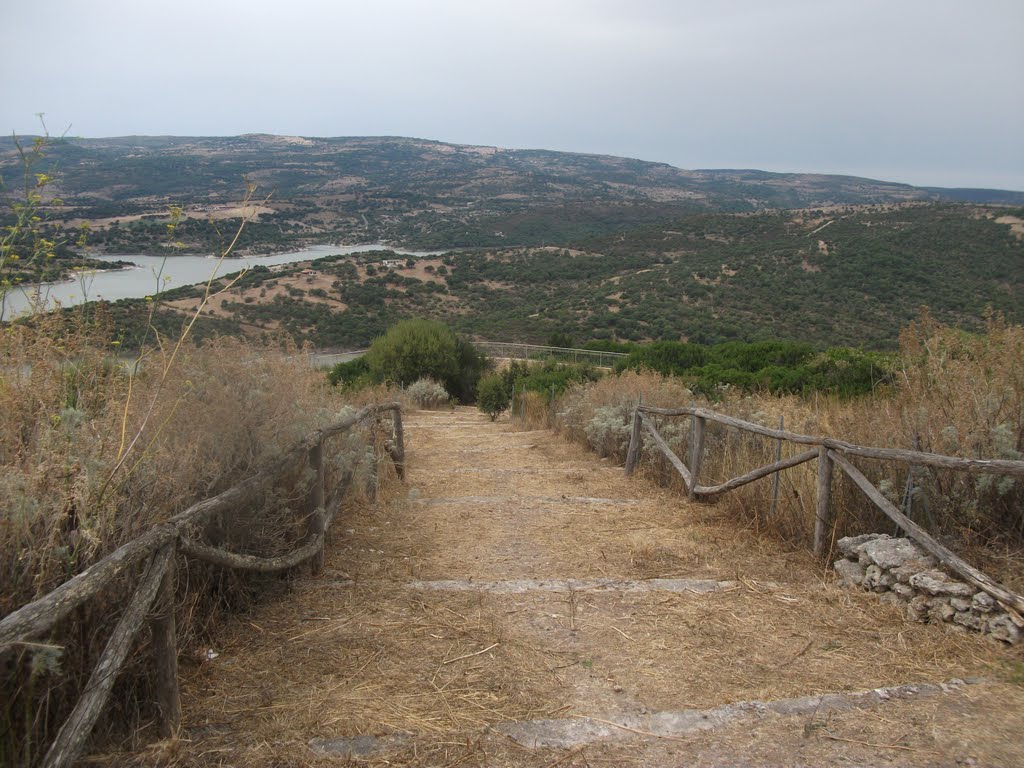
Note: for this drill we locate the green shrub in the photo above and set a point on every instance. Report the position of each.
(417, 349)
(778, 367)
(548, 376)
(493, 395)
(414, 349)
(472, 365)
(352, 374)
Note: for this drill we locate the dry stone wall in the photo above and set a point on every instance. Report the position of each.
(901, 572)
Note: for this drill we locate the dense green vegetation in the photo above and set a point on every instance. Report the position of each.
(704, 279)
(548, 378)
(778, 367)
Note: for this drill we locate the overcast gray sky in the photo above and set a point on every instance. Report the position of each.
(928, 92)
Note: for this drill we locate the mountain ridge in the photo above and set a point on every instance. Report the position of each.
(274, 158)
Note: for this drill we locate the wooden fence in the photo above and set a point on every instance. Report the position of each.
(157, 548)
(829, 453)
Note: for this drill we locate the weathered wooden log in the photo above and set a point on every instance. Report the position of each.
(823, 504)
(917, 533)
(399, 457)
(778, 476)
(975, 466)
(232, 497)
(757, 474)
(696, 451)
(349, 422)
(662, 446)
(165, 656)
(633, 454)
(40, 615)
(76, 729)
(317, 518)
(227, 559)
(982, 466)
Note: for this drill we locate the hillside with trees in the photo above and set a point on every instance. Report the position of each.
(538, 243)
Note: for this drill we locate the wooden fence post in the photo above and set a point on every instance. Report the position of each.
(316, 503)
(633, 454)
(822, 516)
(71, 737)
(165, 656)
(697, 424)
(778, 458)
(399, 442)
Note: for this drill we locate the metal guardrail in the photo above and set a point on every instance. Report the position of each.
(331, 359)
(504, 349)
(516, 351)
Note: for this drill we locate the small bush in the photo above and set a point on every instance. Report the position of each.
(549, 377)
(427, 393)
(493, 396)
(352, 374)
(415, 349)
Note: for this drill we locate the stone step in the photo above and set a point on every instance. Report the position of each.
(571, 732)
(519, 586)
(518, 499)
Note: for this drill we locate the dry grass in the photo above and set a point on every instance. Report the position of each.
(95, 451)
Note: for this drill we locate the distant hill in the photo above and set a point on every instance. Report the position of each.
(401, 173)
(591, 246)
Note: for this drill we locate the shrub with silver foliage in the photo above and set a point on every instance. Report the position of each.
(427, 393)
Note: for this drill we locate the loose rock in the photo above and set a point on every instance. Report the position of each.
(850, 546)
(889, 553)
(850, 574)
(1001, 627)
(938, 583)
(983, 603)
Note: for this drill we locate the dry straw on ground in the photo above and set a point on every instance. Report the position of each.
(359, 652)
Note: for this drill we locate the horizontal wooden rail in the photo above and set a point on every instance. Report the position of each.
(827, 451)
(921, 458)
(159, 545)
(757, 474)
(40, 615)
(225, 559)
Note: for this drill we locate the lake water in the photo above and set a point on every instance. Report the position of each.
(169, 272)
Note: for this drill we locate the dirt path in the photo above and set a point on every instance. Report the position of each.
(520, 602)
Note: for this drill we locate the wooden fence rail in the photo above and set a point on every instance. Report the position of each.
(829, 453)
(158, 546)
